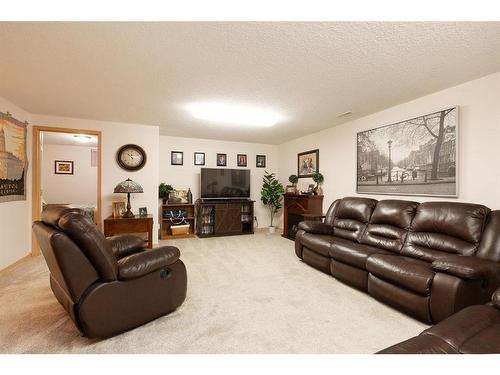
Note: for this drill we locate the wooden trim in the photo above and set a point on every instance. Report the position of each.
(36, 181)
(12, 265)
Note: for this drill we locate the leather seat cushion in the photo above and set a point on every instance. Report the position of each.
(353, 253)
(319, 243)
(412, 274)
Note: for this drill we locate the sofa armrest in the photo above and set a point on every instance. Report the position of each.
(467, 267)
(140, 264)
(126, 244)
(495, 298)
(316, 227)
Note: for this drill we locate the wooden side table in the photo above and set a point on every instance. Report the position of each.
(137, 224)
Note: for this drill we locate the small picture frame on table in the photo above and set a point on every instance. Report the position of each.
(118, 209)
(291, 189)
(143, 211)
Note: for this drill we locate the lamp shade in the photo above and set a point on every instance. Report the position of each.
(128, 186)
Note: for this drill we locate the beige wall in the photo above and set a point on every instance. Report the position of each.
(15, 217)
(77, 188)
(479, 143)
(115, 135)
(188, 175)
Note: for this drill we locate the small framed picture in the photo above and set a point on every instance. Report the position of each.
(177, 158)
(241, 160)
(291, 189)
(260, 161)
(221, 160)
(143, 211)
(307, 163)
(310, 189)
(118, 208)
(199, 158)
(63, 167)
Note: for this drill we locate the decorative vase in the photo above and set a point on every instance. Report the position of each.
(318, 190)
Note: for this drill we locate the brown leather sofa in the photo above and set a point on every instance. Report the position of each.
(473, 330)
(428, 260)
(107, 285)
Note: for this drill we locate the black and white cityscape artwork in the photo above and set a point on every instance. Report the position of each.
(412, 157)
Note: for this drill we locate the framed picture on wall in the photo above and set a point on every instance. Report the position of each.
(199, 158)
(241, 160)
(177, 158)
(63, 167)
(417, 156)
(221, 160)
(307, 163)
(260, 161)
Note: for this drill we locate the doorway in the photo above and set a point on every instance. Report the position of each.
(66, 171)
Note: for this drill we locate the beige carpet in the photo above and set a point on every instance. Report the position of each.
(246, 294)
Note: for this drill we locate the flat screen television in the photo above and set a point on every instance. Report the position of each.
(225, 183)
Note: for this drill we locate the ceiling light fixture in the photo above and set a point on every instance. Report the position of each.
(343, 114)
(234, 114)
(83, 138)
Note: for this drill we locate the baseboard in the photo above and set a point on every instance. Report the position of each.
(12, 265)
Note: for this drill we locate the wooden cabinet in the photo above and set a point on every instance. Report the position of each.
(224, 217)
(299, 207)
(137, 224)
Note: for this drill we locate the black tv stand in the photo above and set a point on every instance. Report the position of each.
(224, 217)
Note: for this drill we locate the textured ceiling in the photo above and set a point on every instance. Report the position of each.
(146, 72)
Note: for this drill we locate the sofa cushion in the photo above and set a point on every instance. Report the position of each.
(389, 224)
(353, 253)
(409, 273)
(351, 216)
(443, 228)
(319, 243)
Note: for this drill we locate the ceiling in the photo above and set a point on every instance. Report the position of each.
(147, 73)
(52, 138)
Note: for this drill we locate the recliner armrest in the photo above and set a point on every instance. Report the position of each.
(140, 264)
(316, 227)
(126, 244)
(467, 267)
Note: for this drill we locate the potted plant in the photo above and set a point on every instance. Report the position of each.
(318, 178)
(164, 191)
(271, 195)
(294, 179)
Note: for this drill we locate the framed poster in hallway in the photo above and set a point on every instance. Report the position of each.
(417, 156)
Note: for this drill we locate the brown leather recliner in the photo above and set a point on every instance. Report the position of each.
(107, 285)
(428, 260)
(473, 330)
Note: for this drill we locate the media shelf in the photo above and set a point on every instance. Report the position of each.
(224, 217)
(182, 214)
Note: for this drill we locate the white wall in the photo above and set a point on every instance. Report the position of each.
(188, 175)
(77, 188)
(115, 135)
(15, 217)
(479, 144)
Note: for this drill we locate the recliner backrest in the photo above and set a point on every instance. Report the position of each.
(489, 248)
(330, 214)
(389, 224)
(351, 216)
(67, 264)
(92, 242)
(443, 228)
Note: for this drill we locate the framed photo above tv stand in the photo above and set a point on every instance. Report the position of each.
(224, 217)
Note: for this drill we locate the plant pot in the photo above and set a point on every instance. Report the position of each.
(272, 229)
(318, 190)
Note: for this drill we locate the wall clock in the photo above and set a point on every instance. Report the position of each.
(131, 157)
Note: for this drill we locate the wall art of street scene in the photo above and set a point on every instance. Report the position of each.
(412, 157)
(13, 159)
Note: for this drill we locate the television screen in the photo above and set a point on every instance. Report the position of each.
(225, 183)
